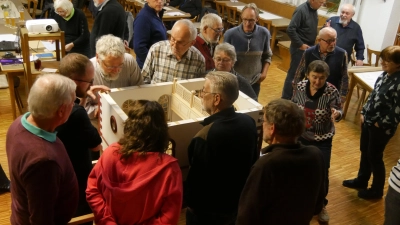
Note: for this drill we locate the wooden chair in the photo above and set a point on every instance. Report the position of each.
(370, 53)
(130, 7)
(81, 219)
(221, 10)
(265, 23)
(231, 16)
(194, 19)
(32, 5)
(137, 7)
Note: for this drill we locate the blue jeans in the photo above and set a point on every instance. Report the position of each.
(203, 218)
(373, 141)
(296, 55)
(392, 207)
(326, 149)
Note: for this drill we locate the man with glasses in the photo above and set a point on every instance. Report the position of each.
(336, 58)
(78, 135)
(252, 44)
(220, 155)
(176, 58)
(211, 29)
(302, 32)
(349, 33)
(113, 68)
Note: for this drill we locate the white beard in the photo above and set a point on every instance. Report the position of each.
(343, 22)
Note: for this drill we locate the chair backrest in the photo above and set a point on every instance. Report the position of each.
(265, 23)
(32, 5)
(220, 9)
(353, 58)
(231, 15)
(137, 7)
(81, 219)
(371, 52)
(194, 19)
(130, 7)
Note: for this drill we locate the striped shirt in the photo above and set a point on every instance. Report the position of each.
(317, 109)
(161, 65)
(394, 179)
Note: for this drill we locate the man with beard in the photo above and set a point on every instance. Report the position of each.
(78, 134)
(109, 19)
(211, 28)
(113, 67)
(349, 33)
(336, 58)
(176, 58)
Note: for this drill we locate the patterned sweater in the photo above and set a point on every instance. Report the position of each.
(317, 108)
(383, 105)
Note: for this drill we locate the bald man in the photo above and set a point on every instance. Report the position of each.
(349, 33)
(176, 58)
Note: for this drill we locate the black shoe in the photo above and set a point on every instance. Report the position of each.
(5, 187)
(354, 184)
(370, 194)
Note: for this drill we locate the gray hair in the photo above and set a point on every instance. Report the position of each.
(109, 45)
(289, 120)
(224, 83)
(209, 20)
(65, 5)
(190, 26)
(350, 6)
(252, 6)
(48, 94)
(228, 49)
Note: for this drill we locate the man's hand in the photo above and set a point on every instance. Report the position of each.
(335, 114)
(359, 63)
(362, 119)
(92, 92)
(328, 24)
(69, 46)
(304, 47)
(262, 77)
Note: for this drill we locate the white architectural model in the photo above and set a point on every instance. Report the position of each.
(182, 106)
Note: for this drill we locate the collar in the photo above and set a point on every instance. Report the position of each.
(101, 6)
(171, 54)
(247, 35)
(148, 8)
(203, 39)
(219, 115)
(50, 137)
(328, 53)
(318, 94)
(70, 15)
(309, 6)
(271, 147)
(349, 25)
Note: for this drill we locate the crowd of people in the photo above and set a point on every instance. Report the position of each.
(229, 181)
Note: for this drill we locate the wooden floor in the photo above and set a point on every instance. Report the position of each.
(344, 206)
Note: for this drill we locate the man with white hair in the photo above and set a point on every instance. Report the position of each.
(113, 67)
(211, 29)
(44, 189)
(176, 58)
(349, 33)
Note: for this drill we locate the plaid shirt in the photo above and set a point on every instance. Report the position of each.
(161, 64)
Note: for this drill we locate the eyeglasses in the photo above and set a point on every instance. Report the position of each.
(61, 12)
(225, 60)
(112, 67)
(330, 41)
(218, 30)
(89, 82)
(250, 21)
(172, 40)
(202, 93)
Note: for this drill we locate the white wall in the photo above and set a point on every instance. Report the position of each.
(379, 21)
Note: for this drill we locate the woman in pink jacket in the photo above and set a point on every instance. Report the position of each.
(134, 181)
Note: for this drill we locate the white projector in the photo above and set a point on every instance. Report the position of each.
(41, 26)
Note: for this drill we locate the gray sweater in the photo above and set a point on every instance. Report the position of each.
(252, 50)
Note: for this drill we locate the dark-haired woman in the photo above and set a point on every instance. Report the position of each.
(134, 181)
(321, 103)
(379, 119)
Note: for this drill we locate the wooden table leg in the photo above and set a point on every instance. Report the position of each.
(273, 37)
(349, 94)
(10, 79)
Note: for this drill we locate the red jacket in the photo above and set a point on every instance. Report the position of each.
(201, 45)
(141, 190)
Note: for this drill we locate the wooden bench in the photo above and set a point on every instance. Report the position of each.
(284, 52)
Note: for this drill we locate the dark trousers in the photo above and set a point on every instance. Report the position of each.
(392, 207)
(296, 55)
(256, 87)
(197, 218)
(326, 149)
(372, 144)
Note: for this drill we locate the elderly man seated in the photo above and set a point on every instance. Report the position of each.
(113, 68)
(176, 58)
